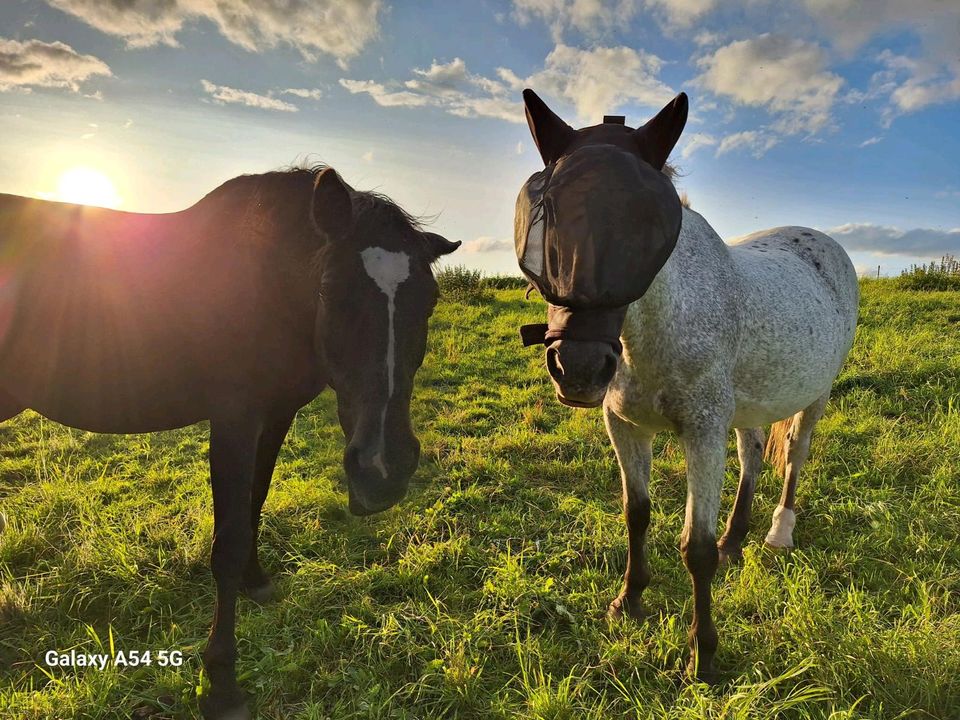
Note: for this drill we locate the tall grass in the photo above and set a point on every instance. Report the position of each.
(482, 595)
(935, 275)
(461, 284)
(505, 282)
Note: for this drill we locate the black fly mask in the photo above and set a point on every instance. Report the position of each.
(593, 228)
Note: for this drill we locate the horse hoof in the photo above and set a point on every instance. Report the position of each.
(730, 556)
(624, 607)
(237, 713)
(702, 674)
(262, 594)
(212, 710)
(779, 549)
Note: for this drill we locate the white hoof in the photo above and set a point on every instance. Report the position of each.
(781, 531)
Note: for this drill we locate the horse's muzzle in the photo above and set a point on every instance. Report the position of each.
(581, 370)
(378, 478)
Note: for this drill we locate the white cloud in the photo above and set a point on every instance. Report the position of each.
(513, 81)
(882, 83)
(383, 96)
(681, 13)
(501, 107)
(341, 28)
(916, 83)
(931, 75)
(785, 76)
(34, 63)
(223, 95)
(140, 22)
(367, 156)
(887, 240)
(870, 141)
(757, 142)
(705, 38)
(439, 77)
(595, 82)
(599, 17)
(449, 86)
(519, 147)
(485, 244)
(850, 24)
(598, 81)
(696, 141)
(305, 93)
(591, 17)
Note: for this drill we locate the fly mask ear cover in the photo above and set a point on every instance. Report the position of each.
(591, 232)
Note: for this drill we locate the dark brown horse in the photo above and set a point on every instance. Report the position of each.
(238, 310)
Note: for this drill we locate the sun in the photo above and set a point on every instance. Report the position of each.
(86, 186)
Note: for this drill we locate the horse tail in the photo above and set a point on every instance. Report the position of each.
(776, 450)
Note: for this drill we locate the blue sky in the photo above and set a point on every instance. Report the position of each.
(836, 114)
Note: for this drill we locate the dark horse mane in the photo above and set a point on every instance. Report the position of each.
(286, 193)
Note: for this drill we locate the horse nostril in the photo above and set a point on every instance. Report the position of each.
(609, 369)
(553, 364)
(351, 459)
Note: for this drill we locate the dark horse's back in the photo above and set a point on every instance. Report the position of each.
(124, 322)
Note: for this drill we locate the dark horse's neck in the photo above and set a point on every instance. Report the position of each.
(111, 319)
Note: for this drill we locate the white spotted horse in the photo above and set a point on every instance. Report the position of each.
(239, 310)
(653, 316)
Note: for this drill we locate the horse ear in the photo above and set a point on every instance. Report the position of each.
(657, 138)
(331, 208)
(438, 245)
(551, 134)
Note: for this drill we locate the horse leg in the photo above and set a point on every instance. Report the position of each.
(797, 449)
(233, 450)
(256, 583)
(705, 450)
(750, 452)
(633, 448)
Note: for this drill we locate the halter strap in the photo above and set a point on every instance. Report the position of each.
(563, 323)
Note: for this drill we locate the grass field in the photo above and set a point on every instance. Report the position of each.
(482, 595)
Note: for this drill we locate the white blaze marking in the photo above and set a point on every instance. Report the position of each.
(388, 270)
(781, 532)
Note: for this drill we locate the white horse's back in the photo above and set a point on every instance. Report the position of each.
(798, 299)
(770, 317)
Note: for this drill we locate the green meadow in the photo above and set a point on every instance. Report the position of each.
(483, 594)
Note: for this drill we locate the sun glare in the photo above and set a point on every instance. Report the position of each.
(86, 186)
